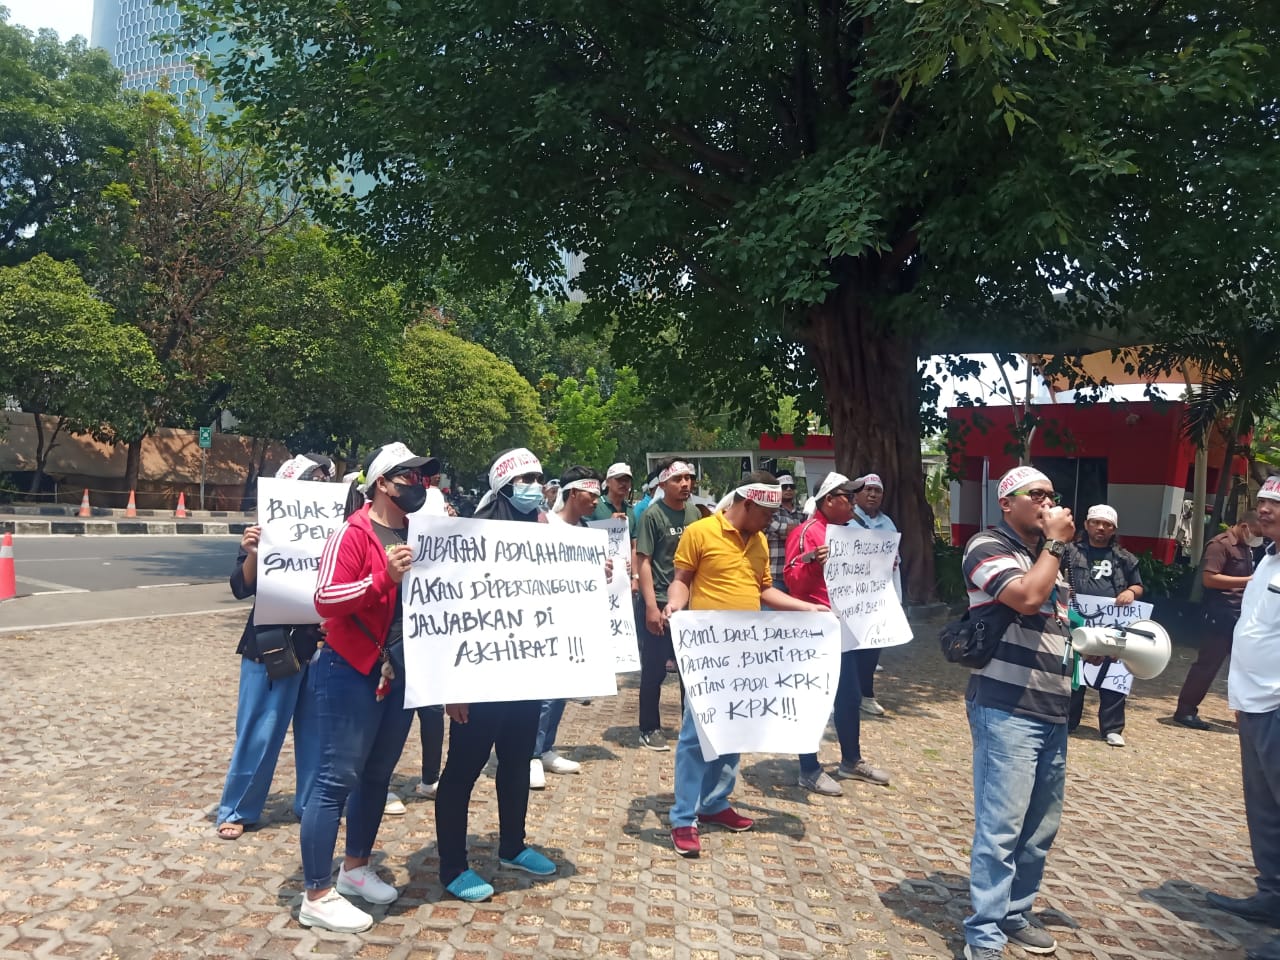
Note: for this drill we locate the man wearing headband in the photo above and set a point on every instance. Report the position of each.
(722, 563)
(1228, 567)
(579, 494)
(1097, 566)
(868, 515)
(1253, 691)
(1017, 706)
(650, 486)
(806, 557)
(657, 534)
(785, 519)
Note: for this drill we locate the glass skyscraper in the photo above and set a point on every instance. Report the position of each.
(127, 30)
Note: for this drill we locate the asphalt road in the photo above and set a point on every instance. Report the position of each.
(63, 563)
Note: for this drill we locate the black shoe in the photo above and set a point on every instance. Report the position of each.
(1260, 907)
(1191, 720)
(1268, 951)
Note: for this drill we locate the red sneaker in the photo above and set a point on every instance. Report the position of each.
(685, 840)
(728, 818)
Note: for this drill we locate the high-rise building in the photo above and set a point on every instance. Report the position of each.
(128, 31)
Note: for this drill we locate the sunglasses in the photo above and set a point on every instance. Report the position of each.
(1040, 496)
(788, 486)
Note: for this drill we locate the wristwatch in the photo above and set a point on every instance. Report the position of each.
(1056, 547)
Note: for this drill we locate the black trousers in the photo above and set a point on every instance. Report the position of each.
(1215, 648)
(431, 731)
(868, 660)
(510, 729)
(1110, 710)
(655, 650)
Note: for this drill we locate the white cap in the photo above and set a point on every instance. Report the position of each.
(394, 455)
(834, 480)
(1019, 477)
(785, 479)
(1270, 490)
(618, 470)
(872, 480)
(1103, 512)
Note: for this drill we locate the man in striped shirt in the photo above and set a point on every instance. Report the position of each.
(1017, 706)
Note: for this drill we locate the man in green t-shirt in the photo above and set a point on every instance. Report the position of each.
(657, 536)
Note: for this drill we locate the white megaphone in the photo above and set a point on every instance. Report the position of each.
(1143, 646)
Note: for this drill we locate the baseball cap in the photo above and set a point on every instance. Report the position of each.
(618, 470)
(396, 456)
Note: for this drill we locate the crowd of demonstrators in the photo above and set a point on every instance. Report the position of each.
(721, 563)
(868, 515)
(1097, 565)
(1228, 568)
(267, 705)
(357, 681)
(658, 532)
(806, 554)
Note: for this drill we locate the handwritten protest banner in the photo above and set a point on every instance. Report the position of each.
(859, 573)
(758, 682)
(622, 615)
(1105, 612)
(296, 517)
(495, 610)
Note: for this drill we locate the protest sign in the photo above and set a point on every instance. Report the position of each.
(1105, 612)
(296, 517)
(496, 610)
(622, 615)
(859, 572)
(758, 682)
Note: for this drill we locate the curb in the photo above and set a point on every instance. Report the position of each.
(90, 528)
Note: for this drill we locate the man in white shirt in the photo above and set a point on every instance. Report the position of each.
(1253, 691)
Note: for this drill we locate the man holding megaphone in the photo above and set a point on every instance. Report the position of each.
(1253, 691)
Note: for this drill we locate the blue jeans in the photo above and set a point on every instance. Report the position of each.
(263, 713)
(548, 726)
(848, 717)
(361, 739)
(701, 786)
(1019, 772)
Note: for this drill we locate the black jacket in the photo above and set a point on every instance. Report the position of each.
(306, 637)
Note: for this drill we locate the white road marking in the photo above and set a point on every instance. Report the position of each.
(145, 616)
(51, 587)
(153, 586)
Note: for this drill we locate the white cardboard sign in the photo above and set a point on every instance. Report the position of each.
(296, 517)
(1105, 612)
(758, 681)
(496, 610)
(622, 615)
(860, 582)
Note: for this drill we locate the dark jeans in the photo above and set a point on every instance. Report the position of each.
(655, 651)
(431, 730)
(361, 738)
(1215, 647)
(847, 716)
(1260, 766)
(1110, 710)
(510, 729)
(868, 660)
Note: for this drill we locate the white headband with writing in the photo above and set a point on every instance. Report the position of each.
(765, 494)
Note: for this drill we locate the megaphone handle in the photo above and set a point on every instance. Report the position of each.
(1139, 633)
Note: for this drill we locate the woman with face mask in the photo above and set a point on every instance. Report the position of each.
(479, 729)
(357, 683)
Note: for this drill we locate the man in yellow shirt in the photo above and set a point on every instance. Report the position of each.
(722, 563)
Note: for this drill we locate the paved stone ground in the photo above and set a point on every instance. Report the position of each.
(116, 740)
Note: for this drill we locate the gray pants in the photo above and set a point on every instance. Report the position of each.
(1260, 765)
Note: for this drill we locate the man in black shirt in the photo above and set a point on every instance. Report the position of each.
(1097, 566)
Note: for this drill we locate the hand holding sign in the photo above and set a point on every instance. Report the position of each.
(295, 518)
(860, 573)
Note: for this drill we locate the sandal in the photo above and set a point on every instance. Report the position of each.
(230, 830)
(471, 887)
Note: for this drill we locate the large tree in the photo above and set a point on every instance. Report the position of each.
(770, 198)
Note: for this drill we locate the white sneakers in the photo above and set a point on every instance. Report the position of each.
(555, 763)
(395, 806)
(428, 790)
(1115, 740)
(332, 912)
(537, 778)
(871, 707)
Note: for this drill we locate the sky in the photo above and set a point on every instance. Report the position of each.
(66, 17)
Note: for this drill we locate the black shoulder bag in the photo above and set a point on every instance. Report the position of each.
(971, 641)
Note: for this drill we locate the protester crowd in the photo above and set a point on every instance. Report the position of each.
(341, 683)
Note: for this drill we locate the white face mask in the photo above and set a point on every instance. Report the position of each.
(1253, 542)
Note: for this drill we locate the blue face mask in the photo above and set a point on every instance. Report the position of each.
(526, 497)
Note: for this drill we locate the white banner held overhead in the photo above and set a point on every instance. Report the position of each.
(758, 682)
(859, 572)
(1105, 612)
(296, 517)
(497, 610)
(622, 615)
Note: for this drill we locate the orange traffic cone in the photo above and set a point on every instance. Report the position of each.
(132, 509)
(182, 506)
(84, 504)
(8, 578)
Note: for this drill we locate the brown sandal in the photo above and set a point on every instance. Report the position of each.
(230, 831)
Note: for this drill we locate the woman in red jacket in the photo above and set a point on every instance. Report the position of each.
(357, 683)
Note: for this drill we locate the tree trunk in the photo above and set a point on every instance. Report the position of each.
(1231, 435)
(871, 382)
(250, 496)
(133, 464)
(40, 453)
